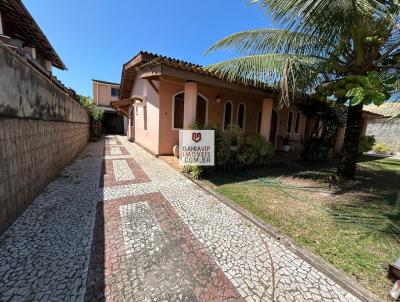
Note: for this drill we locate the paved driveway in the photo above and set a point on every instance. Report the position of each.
(121, 225)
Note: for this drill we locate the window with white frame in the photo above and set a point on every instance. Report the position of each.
(241, 116)
(297, 123)
(227, 125)
(289, 122)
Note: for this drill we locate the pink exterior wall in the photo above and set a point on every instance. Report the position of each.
(168, 88)
(146, 130)
(102, 94)
(154, 123)
(296, 138)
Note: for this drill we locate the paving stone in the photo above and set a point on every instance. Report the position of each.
(121, 225)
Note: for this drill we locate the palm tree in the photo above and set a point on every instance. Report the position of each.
(346, 50)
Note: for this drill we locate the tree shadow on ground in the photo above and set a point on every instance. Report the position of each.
(366, 180)
(371, 200)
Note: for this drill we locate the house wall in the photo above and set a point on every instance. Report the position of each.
(385, 133)
(296, 138)
(102, 94)
(168, 88)
(41, 130)
(146, 130)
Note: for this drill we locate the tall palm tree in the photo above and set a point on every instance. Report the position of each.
(347, 50)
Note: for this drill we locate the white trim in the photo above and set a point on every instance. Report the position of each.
(244, 116)
(258, 124)
(173, 109)
(223, 117)
(287, 123)
(298, 113)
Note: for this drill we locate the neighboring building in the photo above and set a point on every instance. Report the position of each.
(19, 31)
(42, 126)
(161, 95)
(387, 128)
(103, 94)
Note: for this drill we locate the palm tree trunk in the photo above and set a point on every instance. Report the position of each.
(347, 165)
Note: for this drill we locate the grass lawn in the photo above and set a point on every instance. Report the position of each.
(353, 225)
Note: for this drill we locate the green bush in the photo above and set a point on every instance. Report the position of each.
(382, 149)
(255, 151)
(366, 143)
(252, 151)
(96, 113)
(194, 172)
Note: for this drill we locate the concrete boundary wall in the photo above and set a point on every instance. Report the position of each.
(41, 130)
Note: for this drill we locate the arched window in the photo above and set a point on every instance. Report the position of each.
(177, 110)
(227, 125)
(241, 116)
(258, 124)
(297, 123)
(201, 110)
(289, 122)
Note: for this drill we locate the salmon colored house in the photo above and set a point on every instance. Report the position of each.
(161, 95)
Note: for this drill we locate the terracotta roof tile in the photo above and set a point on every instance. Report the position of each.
(388, 109)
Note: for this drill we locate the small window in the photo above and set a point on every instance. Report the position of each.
(289, 122)
(228, 116)
(297, 124)
(241, 117)
(114, 92)
(259, 116)
(178, 107)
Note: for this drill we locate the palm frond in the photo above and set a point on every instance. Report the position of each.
(324, 18)
(289, 72)
(261, 41)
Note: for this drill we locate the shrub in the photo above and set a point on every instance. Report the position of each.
(236, 136)
(382, 149)
(255, 151)
(366, 143)
(252, 151)
(194, 172)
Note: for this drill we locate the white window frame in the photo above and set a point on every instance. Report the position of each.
(244, 116)
(287, 123)
(173, 109)
(223, 117)
(298, 114)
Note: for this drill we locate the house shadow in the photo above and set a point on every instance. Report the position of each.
(95, 282)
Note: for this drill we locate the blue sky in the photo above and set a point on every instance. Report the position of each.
(94, 38)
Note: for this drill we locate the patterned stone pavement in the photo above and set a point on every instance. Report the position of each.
(121, 225)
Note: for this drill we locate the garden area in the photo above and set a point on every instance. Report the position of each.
(352, 224)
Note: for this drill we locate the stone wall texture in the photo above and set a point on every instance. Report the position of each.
(385, 132)
(41, 130)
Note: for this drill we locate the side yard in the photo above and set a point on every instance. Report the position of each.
(355, 226)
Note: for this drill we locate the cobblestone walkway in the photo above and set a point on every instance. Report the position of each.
(120, 225)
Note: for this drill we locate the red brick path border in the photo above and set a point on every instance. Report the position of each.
(108, 258)
(107, 178)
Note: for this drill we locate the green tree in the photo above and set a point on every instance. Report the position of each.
(96, 113)
(345, 50)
